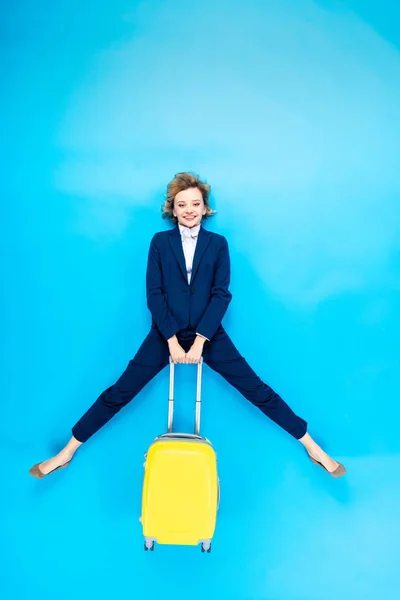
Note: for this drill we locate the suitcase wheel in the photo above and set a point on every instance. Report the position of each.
(149, 546)
(206, 548)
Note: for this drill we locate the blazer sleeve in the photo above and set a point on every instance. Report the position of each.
(156, 301)
(220, 294)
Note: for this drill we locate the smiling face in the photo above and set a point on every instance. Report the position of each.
(189, 207)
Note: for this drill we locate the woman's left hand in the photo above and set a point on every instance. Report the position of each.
(195, 352)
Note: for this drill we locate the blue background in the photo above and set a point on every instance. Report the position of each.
(291, 110)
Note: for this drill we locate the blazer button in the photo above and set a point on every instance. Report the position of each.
(192, 290)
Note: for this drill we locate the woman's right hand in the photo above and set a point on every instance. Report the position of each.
(177, 353)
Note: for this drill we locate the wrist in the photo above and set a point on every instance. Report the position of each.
(200, 339)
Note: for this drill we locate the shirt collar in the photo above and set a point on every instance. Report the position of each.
(194, 231)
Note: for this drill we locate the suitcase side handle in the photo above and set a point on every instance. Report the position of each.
(171, 396)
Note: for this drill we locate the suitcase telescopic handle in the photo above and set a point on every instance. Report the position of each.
(171, 395)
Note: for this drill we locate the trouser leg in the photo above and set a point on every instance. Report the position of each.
(151, 358)
(223, 357)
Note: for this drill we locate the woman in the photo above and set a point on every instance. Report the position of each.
(187, 281)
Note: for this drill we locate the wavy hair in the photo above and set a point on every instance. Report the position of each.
(184, 181)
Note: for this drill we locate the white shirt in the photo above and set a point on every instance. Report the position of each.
(189, 247)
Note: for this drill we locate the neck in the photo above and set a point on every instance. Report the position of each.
(189, 226)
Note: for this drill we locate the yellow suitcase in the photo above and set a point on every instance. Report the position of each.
(180, 494)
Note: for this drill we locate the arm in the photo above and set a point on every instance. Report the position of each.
(156, 302)
(220, 295)
(200, 339)
(203, 337)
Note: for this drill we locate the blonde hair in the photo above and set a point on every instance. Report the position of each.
(184, 181)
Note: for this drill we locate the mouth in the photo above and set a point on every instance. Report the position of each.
(189, 218)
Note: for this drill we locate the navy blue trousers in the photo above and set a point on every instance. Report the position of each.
(219, 353)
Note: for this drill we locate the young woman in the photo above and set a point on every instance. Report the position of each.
(187, 281)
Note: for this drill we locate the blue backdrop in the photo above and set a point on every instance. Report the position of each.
(290, 109)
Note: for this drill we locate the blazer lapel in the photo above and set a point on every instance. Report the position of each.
(203, 240)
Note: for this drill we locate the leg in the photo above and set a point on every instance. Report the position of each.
(222, 356)
(151, 358)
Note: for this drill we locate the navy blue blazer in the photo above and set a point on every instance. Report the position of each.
(173, 302)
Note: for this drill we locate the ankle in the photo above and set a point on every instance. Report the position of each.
(309, 445)
(307, 441)
(65, 455)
